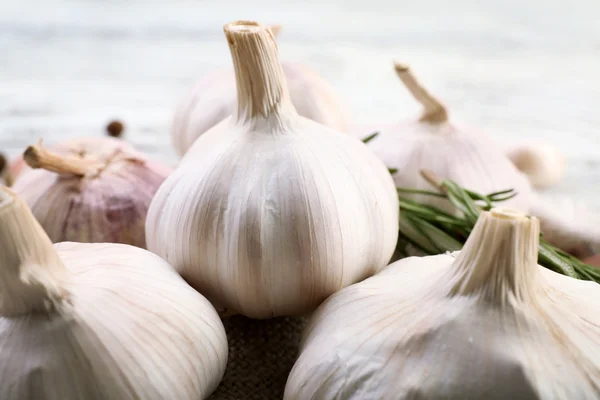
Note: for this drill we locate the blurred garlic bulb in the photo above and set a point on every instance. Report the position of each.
(486, 323)
(213, 99)
(431, 142)
(269, 212)
(98, 321)
(91, 190)
(569, 224)
(543, 163)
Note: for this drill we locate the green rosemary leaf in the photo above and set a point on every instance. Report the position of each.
(420, 191)
(547, 256)
(392, 170)
(500, 193)
(434, 231)
(370, 137)
(427, 237)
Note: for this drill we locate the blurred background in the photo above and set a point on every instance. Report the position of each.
(515, 69)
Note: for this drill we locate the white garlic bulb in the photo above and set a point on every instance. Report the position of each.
(91, 190)
(470, 159)
(488, 323)
(543, 163)
(269, 212)
(213, 99)
(98, 321)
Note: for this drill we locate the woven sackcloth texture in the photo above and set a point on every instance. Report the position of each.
(261, 356)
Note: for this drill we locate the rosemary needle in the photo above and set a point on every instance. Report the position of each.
(433, 231)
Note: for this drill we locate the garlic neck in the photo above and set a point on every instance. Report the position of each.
(30, 268)
(434, 111)
(499, 260)
(262, 90)
(37, 156)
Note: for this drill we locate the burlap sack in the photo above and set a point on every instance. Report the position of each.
(261, 356)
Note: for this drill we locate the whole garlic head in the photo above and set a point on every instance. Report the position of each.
(213, 99)
(543, 163)
(487, 322)
(98, 321)
(269, 212)
(91, 190)
(469, 158)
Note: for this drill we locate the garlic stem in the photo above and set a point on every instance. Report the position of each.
(499, 260)
(434, 112)
(29, 264)
(261, 85)
(36, 156)
(433, 180)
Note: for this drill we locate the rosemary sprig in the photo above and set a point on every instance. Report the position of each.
(434, 231)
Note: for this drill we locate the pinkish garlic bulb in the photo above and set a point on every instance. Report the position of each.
(90, 190)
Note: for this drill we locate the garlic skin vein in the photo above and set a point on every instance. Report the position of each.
(486, 322)
(98, 321)
(269, 212)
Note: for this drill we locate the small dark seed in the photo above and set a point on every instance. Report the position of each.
(3, 162)
(115, 128)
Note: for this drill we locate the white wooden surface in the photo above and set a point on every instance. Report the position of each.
(516, 69)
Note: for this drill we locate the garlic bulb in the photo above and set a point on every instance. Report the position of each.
(543, 163)
(90, 190)
(98, 321)
(469, 158)
(488, 323)
(269, 212)
(213, 99)
(569, 224)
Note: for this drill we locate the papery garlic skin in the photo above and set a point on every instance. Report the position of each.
(108, 206)
(269, 212)
(213, 99)
(543, 163)
(486, 322)
(99, 321)
(432, 142)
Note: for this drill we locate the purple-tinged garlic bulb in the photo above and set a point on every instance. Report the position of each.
(90, 190)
